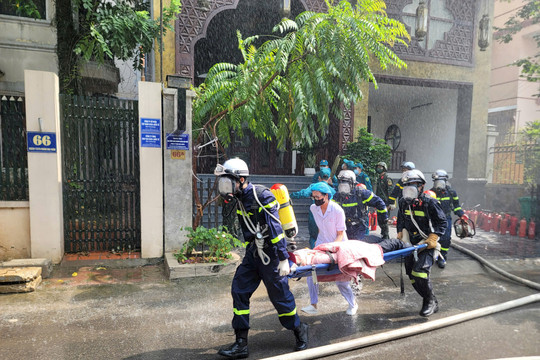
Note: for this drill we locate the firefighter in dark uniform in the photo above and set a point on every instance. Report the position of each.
(382, 189)
(266, 257)
(420, 220)
(354, 200)
(450, 203)
(396, 191)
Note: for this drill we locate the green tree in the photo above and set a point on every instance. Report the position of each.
(102, 30)
(288, 86)
(369, 151)
(528, 14)
(531, 136)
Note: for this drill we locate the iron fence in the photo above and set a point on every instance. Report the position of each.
(13, 155)
(511, 162)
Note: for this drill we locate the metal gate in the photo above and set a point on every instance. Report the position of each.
(100, 154)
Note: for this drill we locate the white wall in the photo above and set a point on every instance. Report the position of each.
(427, 131)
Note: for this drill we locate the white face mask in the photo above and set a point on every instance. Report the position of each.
(344, 188)
(410, 192)
(439, 184)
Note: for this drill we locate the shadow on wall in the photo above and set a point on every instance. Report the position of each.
(504, 198)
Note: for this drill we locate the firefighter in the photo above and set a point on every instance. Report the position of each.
(420, 220)
(266, 257)
(354, 200)
(396, 191)
(450, 203)
(382, 188)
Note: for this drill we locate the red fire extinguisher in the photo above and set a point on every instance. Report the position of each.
(496, 222)
(480, 218)
(532, 229)
(504, 224)
(522, 227)
(487, 222)
(373, 221)
(513, 226)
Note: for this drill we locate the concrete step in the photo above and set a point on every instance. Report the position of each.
(19, 280)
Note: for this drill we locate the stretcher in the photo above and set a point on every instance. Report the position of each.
(332, 269)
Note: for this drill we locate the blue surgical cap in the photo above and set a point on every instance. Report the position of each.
(323, 163)
(324, 188)
(360, 165)
(349, 163)
(324, 172)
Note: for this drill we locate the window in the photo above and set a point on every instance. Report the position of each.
(34, 9)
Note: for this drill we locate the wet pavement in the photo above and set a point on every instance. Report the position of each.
(105, 311)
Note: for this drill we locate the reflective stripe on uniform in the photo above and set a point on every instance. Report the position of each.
(292, 313)
(240, 212)
(458, 208)
(349, 205)
(444, 249)
(392, 198)
(272, 204)
(422, 275)
(416, 213)
(442, 199)
(381, 211)
(240, 312)
(277, 238)
(399, 186)
(456, 198)
(368, 199)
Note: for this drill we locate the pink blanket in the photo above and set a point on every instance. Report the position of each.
(352, 257)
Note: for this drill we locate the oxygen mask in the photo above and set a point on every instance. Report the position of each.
(439, 184)
(227, 187)
(410, 193)
(344, 187)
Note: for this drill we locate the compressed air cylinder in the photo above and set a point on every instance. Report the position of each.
(286, 212)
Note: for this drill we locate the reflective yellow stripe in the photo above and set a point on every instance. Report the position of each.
(413, 281)
(399, 186)
(240, 212)
(444, 249)
(272, 204)
(277, 238)
(458, 208)
(349, 205)
(456, 198)
(292, 313)
(240, 312)
(446, 198)
(392, 198)
(419, 274)
(368, 199)
(381, 211)
(416, 213)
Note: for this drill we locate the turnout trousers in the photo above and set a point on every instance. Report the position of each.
(445, 240)
(246, 280)
(418, 272)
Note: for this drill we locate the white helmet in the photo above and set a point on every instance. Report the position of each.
(347, 175)
(413, 176)
(439, 175)
(235, 167)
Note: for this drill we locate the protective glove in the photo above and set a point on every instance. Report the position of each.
(464, 217)
(431, 240)
(392, 207)
(283, 267)
(400, 235)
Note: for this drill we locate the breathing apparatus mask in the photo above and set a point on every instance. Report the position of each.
(439, 184)
(410, 193)
(345, 187)
(228, 187)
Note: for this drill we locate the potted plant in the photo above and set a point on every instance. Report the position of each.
(309, 155)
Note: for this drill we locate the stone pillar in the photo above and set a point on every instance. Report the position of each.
(151, 168)
(491, 137)
(44, 165)
(177, 168)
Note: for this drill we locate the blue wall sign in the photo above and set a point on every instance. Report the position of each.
(150, 132)
(41, 141)
(177, 141)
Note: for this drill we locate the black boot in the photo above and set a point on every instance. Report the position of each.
(384, 230)
(429, 306)
(238, 350)
(301, 334)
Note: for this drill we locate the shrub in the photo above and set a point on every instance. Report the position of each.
(213, 244)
